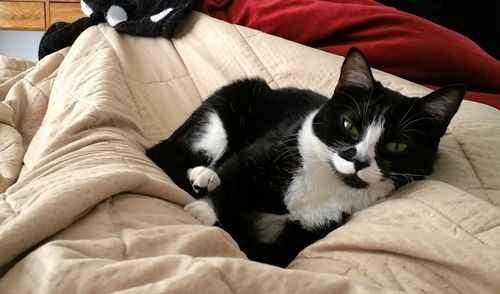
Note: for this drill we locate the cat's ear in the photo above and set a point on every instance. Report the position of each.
(355, 71)
(443, 103)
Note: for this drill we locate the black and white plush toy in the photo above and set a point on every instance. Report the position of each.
(149, 18)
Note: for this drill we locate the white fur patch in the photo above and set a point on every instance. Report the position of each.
(372, 174)
(203, 177)
(85, 8)
(203, 211)
(342, 165)
(213, 140)
(269, 226)
(159, 16)
(116, 15)
(317, 195)
(365, 150)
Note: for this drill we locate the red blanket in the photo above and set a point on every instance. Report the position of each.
(393, 41)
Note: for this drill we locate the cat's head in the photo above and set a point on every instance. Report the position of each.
(377, 135)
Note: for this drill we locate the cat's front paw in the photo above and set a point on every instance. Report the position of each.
(202, 211)
(203, 179)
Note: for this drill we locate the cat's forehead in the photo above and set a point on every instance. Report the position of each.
(378, 102)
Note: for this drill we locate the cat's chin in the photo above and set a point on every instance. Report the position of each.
(353, 181)
(350, 179)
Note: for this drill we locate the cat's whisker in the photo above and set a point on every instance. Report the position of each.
(286, 154)
(290, 138)
(367, 104)
(406, 136)
(417, 120)
(407, 177)
(401, 123)
(352, 109)
(407, 112)
(232, 107)
(353, 99)
(337, 148)
(410, 177)
(411, 174)
(416, 131)
(317, 123)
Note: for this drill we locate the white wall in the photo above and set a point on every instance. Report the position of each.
(19, 44)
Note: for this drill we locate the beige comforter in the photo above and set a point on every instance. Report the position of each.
(82, 208)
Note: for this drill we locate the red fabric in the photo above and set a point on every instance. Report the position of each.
(490, 99)
(486, 98)
(393, 41)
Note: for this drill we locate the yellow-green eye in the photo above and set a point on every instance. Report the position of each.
(396, 147)
(350, 128)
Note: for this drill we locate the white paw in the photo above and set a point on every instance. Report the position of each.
(202, 178)
(202, 211)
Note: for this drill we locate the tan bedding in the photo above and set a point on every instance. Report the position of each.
(83, 210)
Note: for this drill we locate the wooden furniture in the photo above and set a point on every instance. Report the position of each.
(37, 15)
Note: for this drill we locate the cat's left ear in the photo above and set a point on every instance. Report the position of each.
(355, 71)
(443, 103)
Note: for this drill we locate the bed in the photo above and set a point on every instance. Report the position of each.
(84, 210)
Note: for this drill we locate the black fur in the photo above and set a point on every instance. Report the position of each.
(262, 155)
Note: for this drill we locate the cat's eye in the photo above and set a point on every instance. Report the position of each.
(396, 147)
(349, 128)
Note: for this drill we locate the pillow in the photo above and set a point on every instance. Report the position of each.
(393, 41)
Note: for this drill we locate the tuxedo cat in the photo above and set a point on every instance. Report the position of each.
(279, 169)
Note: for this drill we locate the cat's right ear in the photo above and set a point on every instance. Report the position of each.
(442, 104)
(355, 71)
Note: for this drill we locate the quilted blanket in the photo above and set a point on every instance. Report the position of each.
(83, 210)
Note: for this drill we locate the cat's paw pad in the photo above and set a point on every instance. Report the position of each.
(203, 179)
(202, 211)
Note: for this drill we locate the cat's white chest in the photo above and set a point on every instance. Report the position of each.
(317, 195)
